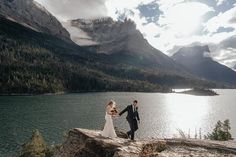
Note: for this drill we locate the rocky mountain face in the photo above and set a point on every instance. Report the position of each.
(120, 39)
(31, 14)
(198, 61)
(103, 31)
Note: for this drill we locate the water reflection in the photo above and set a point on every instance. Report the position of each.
(161, 114)
(186, 112)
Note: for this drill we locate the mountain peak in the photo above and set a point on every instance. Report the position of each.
(92, 21)
(120, 39)
(34, 16)
(193, 51)
(40, 7)
(87, 32)
(196, 59)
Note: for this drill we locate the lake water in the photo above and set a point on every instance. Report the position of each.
(161, 115)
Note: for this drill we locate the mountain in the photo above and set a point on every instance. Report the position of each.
(34, 62)
(121, 40)
(32, 15)
(198, 61)
(36, 57)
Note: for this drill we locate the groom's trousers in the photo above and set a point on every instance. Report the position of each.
(133, 127)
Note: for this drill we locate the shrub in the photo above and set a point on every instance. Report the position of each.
(36, 147)
(221, 131)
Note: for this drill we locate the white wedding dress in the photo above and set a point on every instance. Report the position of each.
(109, 130)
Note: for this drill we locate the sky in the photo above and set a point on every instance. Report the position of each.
(166, 24)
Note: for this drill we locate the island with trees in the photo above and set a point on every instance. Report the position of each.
(199, 92)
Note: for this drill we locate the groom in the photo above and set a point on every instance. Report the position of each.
(132, 118)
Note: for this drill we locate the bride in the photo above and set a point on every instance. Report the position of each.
(109, 130)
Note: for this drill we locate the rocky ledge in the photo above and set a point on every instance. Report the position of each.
(90, 143)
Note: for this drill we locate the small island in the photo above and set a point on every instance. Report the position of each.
(199, 92)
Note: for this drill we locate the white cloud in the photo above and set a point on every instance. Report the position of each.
(179, 20)
(168, 4)
(226, 19)
(225, 51)
(74, 9)
(220, 2)
(226, 56)
(178, 23)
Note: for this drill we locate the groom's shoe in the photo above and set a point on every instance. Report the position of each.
(128, 135)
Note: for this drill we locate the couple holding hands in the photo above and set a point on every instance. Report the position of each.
(132, 118)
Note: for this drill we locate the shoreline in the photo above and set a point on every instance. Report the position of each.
(103, 91)
(78, 92)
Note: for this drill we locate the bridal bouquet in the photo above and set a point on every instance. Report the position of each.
(114, 111)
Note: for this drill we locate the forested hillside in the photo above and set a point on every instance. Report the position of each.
(33, 62)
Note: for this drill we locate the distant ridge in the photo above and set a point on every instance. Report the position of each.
(197, 60)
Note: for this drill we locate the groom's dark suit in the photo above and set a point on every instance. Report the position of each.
(132, 118)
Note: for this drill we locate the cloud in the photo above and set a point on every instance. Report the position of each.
(117, 7)
(178, 23)
(184, 18)
(164, 23)
(74, 9)
(226, 19)
(220, 2)
(226, 56)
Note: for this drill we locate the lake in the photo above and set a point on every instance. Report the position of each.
(161, 115)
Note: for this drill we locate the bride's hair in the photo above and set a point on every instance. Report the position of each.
(111, 102)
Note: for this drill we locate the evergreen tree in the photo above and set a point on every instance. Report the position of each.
(35, 147)
(221, 131)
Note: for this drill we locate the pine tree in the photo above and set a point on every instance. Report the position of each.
(36, 147)
(221, 131)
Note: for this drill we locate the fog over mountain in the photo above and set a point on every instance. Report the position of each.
(107, 36)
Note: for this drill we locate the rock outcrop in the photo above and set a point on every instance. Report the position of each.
(90, 143)
(33, 15)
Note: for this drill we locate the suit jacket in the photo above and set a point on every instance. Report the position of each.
(132, 114)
